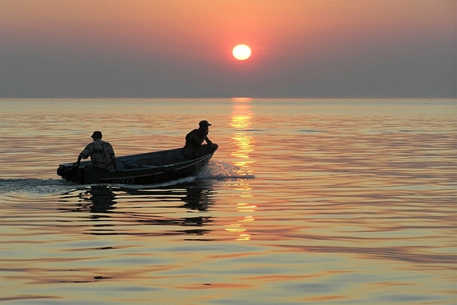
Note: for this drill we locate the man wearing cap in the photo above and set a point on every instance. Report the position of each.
(195, 138)
(101, 153)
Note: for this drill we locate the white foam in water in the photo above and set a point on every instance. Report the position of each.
(222, 170)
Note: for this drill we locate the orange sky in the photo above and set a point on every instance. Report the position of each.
(293, 41)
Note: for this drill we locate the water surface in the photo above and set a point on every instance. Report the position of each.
(305, 202)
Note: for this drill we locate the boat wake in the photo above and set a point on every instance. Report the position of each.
(222, 170)
(214, 170)
(38, 186)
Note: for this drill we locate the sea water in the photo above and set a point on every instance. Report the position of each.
(307, 201)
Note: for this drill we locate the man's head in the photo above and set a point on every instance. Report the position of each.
(96, 135)
(204, 123)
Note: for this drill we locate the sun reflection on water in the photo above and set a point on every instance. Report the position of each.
(241, 121)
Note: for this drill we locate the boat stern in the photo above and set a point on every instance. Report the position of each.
(68, 172)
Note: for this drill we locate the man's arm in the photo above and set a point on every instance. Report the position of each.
(113, 157)
(208, 141)
(85, 153)
(195, 138)
(79, 159)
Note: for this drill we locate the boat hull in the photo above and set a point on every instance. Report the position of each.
(146, 168)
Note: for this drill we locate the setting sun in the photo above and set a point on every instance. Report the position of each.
(241, 52)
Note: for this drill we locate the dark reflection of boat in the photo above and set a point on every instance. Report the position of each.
(151, 212)
(103, 199)
(96, 199)
(197, 197)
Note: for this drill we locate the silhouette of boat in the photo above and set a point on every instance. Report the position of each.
(145, 168)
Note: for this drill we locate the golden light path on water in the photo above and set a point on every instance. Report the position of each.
(241, 122)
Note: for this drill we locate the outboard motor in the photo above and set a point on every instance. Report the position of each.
(68, 172)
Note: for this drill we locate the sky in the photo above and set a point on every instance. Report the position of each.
(183, 48)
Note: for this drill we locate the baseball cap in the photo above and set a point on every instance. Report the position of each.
(204, 123)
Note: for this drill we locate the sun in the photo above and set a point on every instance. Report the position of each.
(241, 52)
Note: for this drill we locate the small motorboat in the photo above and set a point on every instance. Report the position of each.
(145, 168)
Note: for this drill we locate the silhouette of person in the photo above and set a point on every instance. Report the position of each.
(195, 138)
(101, 154)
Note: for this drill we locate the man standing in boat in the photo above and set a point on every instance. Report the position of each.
(101, 154)
(195, 138)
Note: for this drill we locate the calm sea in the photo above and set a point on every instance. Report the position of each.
(307, 201)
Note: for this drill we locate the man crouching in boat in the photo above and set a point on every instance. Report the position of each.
(101, 154)
(194, 140)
